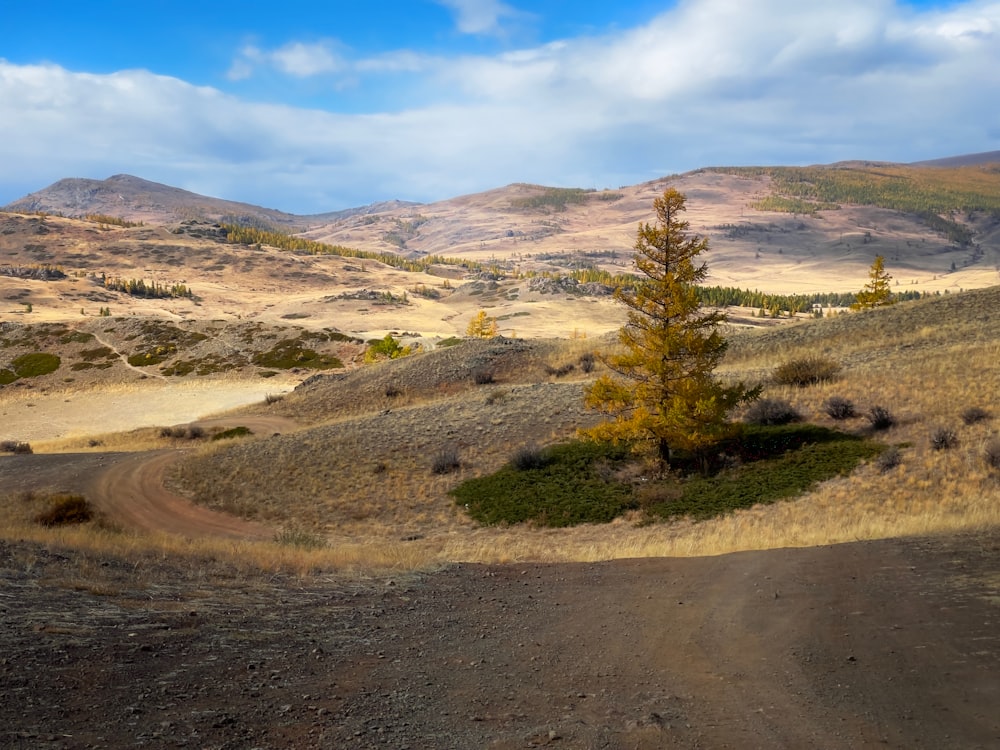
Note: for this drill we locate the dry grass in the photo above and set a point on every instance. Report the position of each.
(363, 482)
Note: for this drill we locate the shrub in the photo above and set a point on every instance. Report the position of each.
(991, 452)
(233, 432)
(15, 446)
(446, 461)
(560, 371)
(587, 362)
(528, 457)
(805, 371)
(890, 458)
(943, 438)
(974, 415)
(64, 510)
(839, 408)
(482, 376)
(191, 432)
(880, 418)
(770, 411)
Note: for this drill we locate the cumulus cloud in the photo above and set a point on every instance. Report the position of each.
(707, 82)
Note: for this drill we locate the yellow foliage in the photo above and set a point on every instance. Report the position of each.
(482, 326)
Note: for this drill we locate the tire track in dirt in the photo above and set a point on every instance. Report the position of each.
(131, 491)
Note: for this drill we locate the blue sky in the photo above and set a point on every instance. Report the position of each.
(309, 106)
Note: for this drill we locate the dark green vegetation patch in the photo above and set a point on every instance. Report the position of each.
(233, 432)
(584, 482)
(32, 366)
(292, 353)
(571, 485)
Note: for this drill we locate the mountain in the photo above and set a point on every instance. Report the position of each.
(135, 199)
(773, 228)
(966, 160)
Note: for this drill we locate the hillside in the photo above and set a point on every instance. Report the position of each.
(138, 200)
(777, 229)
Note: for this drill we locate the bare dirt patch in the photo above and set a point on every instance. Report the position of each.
(874, 644)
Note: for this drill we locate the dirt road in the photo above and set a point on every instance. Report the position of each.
(867, 645)
(128, 488)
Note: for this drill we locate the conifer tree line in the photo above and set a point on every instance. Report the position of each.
(150, 289)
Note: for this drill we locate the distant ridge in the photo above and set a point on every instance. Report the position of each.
(967, 160)
(133, 198)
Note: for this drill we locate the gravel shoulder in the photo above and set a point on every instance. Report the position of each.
(873, 644)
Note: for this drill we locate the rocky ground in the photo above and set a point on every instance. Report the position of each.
(875, 644)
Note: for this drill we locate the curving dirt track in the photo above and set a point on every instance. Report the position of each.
(129, 489)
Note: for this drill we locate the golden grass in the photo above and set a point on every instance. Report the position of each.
(363, 483)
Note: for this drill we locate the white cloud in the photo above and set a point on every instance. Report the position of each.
(303, 60)
(709, 82)
(479, 16)
(298, 59)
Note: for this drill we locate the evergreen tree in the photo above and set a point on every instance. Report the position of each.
(876, 292)
(663, 392)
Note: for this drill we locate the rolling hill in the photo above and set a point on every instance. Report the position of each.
(779, 229)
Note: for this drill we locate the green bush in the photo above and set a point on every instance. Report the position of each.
(291, 353)
(578, 482)
(34, 365)
(805, 371)
(770, 480)
(567, 489)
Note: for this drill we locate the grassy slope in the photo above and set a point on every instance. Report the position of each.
(370, 475)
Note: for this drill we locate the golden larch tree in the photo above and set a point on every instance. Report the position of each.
(876, 292)
(482, 326)
(662, 393)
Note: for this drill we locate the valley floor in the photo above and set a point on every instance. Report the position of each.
(890, 643)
